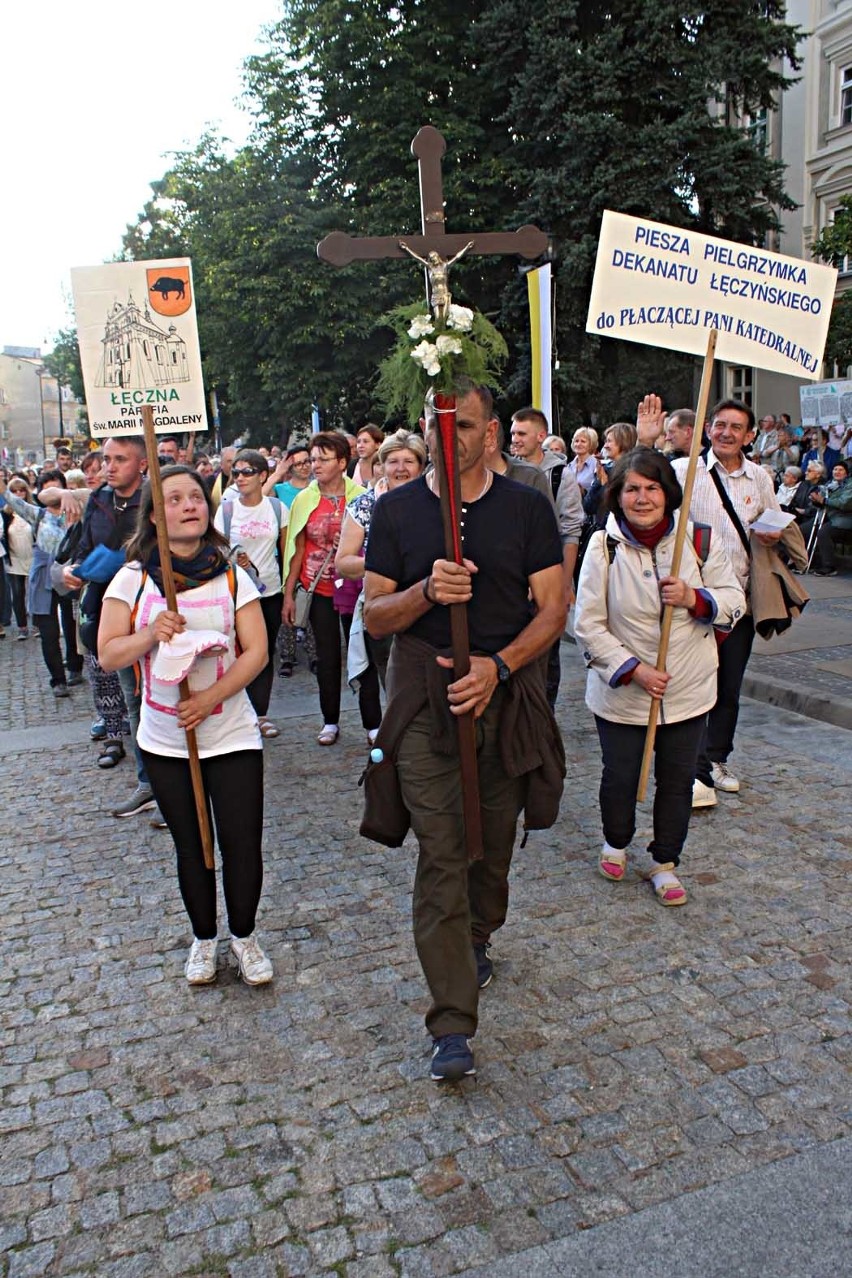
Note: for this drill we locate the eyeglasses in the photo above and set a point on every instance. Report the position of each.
(305, 461)
(239, 474)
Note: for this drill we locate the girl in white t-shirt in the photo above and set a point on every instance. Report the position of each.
(215, 599)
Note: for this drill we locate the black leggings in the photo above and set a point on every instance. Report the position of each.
(326, 623)
(260, 688)
(234, 785)
(18, 590)
(675, 754)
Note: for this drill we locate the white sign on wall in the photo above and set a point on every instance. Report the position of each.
(664, 286)
(826, 404)
(138, 335)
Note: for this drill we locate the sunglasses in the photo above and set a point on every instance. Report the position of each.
(252, 470)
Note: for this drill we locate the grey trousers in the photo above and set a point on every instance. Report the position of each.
(457, 904)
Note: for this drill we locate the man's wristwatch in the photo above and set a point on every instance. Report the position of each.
(504, 674)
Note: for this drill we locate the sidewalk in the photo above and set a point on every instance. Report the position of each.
(659, 1092)
(809, 668)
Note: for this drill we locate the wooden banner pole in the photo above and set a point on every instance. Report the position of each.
(677, 555)
(447, 465)
(171, 603)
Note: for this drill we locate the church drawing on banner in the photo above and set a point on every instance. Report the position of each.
(137, 353)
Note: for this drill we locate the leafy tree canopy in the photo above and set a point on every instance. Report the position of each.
(63, 362)
(553, 110)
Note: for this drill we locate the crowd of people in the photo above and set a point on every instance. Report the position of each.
(337, 542)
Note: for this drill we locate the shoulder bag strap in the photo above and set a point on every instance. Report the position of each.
(729, 510)
(312, 587)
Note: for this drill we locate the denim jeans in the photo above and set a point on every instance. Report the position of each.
(133, 700)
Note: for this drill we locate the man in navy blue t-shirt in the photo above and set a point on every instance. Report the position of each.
(512, 584)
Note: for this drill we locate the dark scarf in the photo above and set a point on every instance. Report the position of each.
(189, 573)
(647, 537)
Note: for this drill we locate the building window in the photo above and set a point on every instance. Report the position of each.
(846, 95)
(758, 128)
(844, 266)
(146, 348)
(740, 384)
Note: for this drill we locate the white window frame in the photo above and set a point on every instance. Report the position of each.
(740, 379)
(844, 114)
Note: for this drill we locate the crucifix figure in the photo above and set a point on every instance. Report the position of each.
(438, 278)
(437, 250)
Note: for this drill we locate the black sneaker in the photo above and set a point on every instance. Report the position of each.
(484, 964)
(825, 572)
(75, 679)
(61, 690)
(452, 1058)
(141, 800)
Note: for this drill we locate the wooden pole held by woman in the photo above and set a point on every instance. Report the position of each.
(171, 603)
(677, 553)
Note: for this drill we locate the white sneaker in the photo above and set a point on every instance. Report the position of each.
(723, 779)
(255, 967)
(200, 967)
(703, 796)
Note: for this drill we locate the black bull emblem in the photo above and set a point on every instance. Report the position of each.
(168, 284)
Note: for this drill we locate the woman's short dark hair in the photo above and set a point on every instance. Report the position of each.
(141, 545)
(256, 460)
(650, 465)
(328, 441)
(303, 447)
(46, 478)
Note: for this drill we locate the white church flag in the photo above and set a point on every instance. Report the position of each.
(138, 336)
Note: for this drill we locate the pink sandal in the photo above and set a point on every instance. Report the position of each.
(671, 891)
(612, 864)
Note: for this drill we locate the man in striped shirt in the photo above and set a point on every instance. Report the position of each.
(750, 492)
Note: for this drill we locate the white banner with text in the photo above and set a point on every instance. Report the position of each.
(664, 286)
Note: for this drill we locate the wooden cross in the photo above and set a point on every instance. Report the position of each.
(340, 249)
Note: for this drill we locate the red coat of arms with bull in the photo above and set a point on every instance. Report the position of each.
(169, 292)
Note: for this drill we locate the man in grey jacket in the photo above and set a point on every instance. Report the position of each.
(529, 431)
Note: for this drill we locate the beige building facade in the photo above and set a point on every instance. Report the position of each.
(811, 133)
(32, 414)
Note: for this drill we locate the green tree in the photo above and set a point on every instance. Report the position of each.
(638, 107)
(63, 362)
(553, 110)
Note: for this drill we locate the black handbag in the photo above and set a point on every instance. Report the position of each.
(67, 550)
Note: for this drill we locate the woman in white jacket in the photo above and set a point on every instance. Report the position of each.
(624, 584)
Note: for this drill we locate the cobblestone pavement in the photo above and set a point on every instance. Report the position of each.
(627, 1054)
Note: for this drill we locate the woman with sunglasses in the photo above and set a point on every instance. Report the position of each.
(291, 476)
(256, 528)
